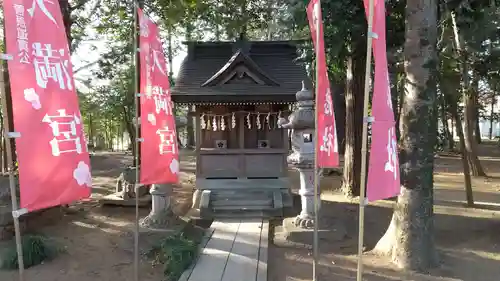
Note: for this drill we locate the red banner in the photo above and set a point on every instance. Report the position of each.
(54, 166)
(159, 150)
(327, 151)
(383, 169)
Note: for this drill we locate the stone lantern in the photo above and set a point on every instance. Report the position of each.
(301, 124)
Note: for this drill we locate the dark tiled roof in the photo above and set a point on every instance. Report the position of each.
(239, 58)
(275, 60)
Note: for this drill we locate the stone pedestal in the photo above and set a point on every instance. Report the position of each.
(292, 235)
(161, 216)
(306, 217)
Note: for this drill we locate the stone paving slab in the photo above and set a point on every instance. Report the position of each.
(236, 250)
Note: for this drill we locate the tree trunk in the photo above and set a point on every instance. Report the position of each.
(467, 179)
(129, 126)
(475, 92)
(395, 95)
(270, 24)
(354, 124)
(91, 130)
(448, 89)
(477, 129)
(410, 236)
(110, 135)
(492, 114)
(446, 130)
(217, 31)
(170, 53)
(66, 15)
(493, 92)
(453, 129)
(444, 120)
(470, 143)
(190, 141)
(469, 104)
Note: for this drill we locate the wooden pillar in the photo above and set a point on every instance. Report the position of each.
(286, 144)
(198, 140)
(241, 119)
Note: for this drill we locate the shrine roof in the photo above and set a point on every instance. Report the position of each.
(241, 71)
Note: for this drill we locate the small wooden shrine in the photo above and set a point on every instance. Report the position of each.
(239, 91)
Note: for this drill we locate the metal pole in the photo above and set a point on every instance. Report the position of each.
(316, 170)
(12, 180)
(362, 199)
(137, 90)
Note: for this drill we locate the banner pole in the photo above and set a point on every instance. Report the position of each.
(16, 213)
(316, 170)
(362, 197)
(137, 139)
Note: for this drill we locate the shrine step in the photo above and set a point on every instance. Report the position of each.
(241, 195)
(259, 203)
(230, 202)
(241, 214)
(243, 209)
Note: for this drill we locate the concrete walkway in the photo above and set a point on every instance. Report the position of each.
(236, 251)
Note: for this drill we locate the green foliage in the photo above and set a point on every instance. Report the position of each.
(36, 250)
(226, 19)
(82, 14)
(344, 29)
(109, 109)
(176, 253)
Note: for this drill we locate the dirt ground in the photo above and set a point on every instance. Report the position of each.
(98, 241)
(468, 239)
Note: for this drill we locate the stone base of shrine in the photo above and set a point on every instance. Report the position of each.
(290, 235)
(117, 200)
(243, 198)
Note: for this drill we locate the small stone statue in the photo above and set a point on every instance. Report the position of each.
(301, 124)
(125, 184)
